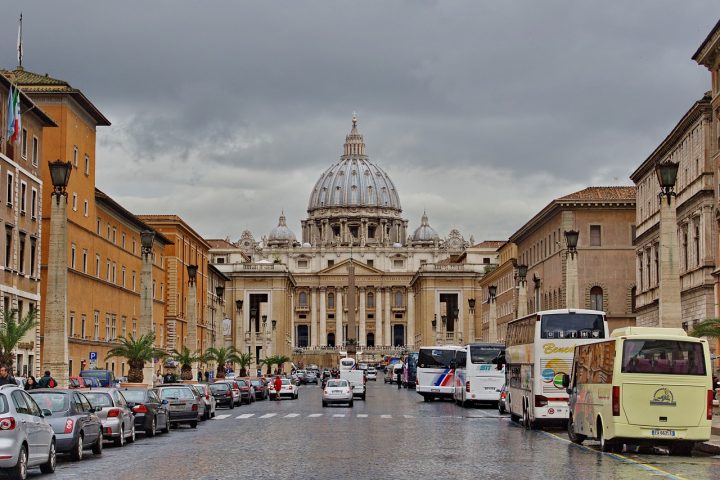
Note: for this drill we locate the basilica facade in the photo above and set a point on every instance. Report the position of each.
(288, 293)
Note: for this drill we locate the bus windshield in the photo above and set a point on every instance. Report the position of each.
(480, 354)
(435, 358)
(572, 325)
(668, 357)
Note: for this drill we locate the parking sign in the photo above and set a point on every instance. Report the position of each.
(93, 356)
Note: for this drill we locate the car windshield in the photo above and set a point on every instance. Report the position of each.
(135, 396)
(219, 387)
(337, 383)
(286, 381)
(99, 399)
(572, 325)
(668, 357)
(257, 383)
(479, 354)
(55, 402)
(179, 393)
(435, 358)
(241, 383)
(99, 374)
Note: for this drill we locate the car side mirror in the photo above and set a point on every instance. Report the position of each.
(164, 401)
(131, 405)
(569, 391)
(92, 410)
(565, 380)
(46, 412)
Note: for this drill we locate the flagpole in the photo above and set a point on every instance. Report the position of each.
(19, 43)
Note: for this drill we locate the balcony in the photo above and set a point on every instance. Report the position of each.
(302, 308)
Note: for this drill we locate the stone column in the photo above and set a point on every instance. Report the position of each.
(146, 300)
(522, 298)
(492, 322)
(388, 316)
(363, 337)
(571, 282)
(323, 317)
(292, 321)
(339, 337)
(378, 318)
(410, 331)
(669, 291)
(471, 325)
(55, 354)
(253, 341)
(313, 318)
(192, 343)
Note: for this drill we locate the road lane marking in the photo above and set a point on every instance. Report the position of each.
(338, 415)
(291, 415)
(268, 415)
(362, 415)
(315, 415)
(621, 458)
(385, 416)
(409, 416)
(245, 415)
(221, 417)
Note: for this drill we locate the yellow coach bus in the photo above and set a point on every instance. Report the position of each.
(644, 386)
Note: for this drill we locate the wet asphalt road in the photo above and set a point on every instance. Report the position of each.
(393, 435)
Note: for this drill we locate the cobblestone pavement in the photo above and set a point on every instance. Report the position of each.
(393, 435)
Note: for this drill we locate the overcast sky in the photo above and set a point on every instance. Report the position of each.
(227, 112)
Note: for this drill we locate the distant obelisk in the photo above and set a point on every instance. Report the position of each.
(351, 339)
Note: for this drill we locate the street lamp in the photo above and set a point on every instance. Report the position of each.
(146, 241)
(192, 273)
(220, 291)
(667, 175)
(238, 305)
(471, 305)
(60, 176)
(434, 321)
(492, 290)
(571, 238)
(264, 320)
(522, 272)
(274, 324)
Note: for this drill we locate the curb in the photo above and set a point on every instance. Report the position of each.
(711, 448)
(715, 431)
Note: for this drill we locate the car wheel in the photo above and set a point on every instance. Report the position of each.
(153, 428)
(49, 466)
(296, 396)
(19, 471)
(232, 405)
(574, 437)
(98, 447)
(77, 452)
(426, 398)
(324, 404)
(120, 441)
(193, 424)
(350, 404)
(131, 438)
(167, 425)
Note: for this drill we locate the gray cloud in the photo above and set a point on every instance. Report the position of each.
(227, 112)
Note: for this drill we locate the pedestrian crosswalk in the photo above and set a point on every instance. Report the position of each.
(383, 416)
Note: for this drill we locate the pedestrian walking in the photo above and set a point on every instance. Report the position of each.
(278, 385)
(47, 381)
(31, 383)
(199, 376)
(5, 377)
(398, 374)
(207, 376)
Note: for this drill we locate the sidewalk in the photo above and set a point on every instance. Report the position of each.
(712, 446)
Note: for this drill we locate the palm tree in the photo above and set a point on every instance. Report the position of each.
(707, 328)
(11, 332)
(274, 360)
(138, 351)
(280, 360)
(186, 358)
(222, 355)
(244, 360)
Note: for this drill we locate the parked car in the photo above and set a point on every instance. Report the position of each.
(235, 390)
(105, 377)
(208, 401)
(337, 391)
(117, 418)
(311, 377)
(288, 389)
(247, 394)
(83, 382)
(183, 403)
(222, 392)
(21, 419)
(261, 392)
(73, 420)
(151, 413)
(301, 374)
(502, 406)
(371, 373)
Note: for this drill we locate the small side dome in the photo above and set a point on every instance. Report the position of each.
(281, 235)
(425, 233)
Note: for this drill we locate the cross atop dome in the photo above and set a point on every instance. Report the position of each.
(354, 143)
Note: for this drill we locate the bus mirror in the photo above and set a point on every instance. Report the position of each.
(565, 380)
(453, 365)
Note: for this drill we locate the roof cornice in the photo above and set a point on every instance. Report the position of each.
(709, 49)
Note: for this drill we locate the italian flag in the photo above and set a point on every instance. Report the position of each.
(13, 115)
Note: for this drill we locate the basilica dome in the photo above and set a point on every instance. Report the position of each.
(425, 233)
(354, 181)
(281, 234)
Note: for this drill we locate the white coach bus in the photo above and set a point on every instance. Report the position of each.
(477, 379)
(435, 372)
(539, 352)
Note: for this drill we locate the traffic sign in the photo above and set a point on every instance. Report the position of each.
(93, 356)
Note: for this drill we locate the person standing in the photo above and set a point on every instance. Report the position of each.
(47, 381)
(31, 383)
(398, 375)
(278, 386)
(5, 377)
(207, 376)
(199, 376)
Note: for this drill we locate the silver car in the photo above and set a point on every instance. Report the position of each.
(337, 390)
(183, 402)
(208, 400)
(117, 418)
(26, 438)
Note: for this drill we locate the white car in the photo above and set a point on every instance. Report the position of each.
(337, 391)
(288, 389)
(371, 373)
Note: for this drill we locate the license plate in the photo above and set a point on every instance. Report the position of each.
(663, 433)
(490, 388)
(177, 407)
(437, 390)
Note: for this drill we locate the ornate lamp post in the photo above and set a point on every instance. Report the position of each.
(522, 290)
(572, 295)
(669, 288)
(253, 338)
(55, 343)
(471, 308)
(265, 337)
(492, 320)
(192, 313)
(147, 237)
(218, 327)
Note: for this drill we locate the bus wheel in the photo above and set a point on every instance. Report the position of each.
(605, 444)
(527, 423)
(574, 437)
(683, 448)
(426, 398)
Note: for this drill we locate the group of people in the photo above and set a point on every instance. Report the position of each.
(29, 382)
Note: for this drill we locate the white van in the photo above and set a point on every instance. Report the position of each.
(644, 386)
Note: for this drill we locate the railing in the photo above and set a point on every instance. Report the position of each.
(251, 267)
(384, 349)
(455, 267)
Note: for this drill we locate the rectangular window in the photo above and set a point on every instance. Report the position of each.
(109, 230)
(71, 324)
(134, 327)
(33, 203)
(10, 189)
(21, 256)
(74, 202)
(23, 198)
(123, 240)
(107, 276)
(113, 330)
(331, 263)
(133, 281)
(302, 263)
(123, 277)
(370, 262)
(84, 260)
(123, 322)
(398, 264)
(72, 256)
(23, 143)
(86, 208)
(33, 254)
(107, 327)
(75, 156)
(87, 165)
(83, 320)
(96, 325)
(114, 233)
(97, 266)
(35, 151)
(114, 272)
(133, 249)
(595, 240)
(8, 246)
(664, 357)
(98, 226)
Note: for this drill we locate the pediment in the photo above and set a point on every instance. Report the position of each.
(342, 269)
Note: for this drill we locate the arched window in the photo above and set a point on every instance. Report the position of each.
(331, 300)
(398, 299)
(596, 298)
(370, 300)
(303, 299)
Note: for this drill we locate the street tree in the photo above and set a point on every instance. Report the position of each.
(244, 360)
(221, 356)
(707, 328)
(12, 331)
(186, 358)
(137, 351)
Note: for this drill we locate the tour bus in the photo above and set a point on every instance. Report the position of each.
(477, 379)
(644, 386)
(539, 351)
(435, 372)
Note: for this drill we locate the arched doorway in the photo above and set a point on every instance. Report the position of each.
(331, 339)
(370, 342)
(303, 336)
